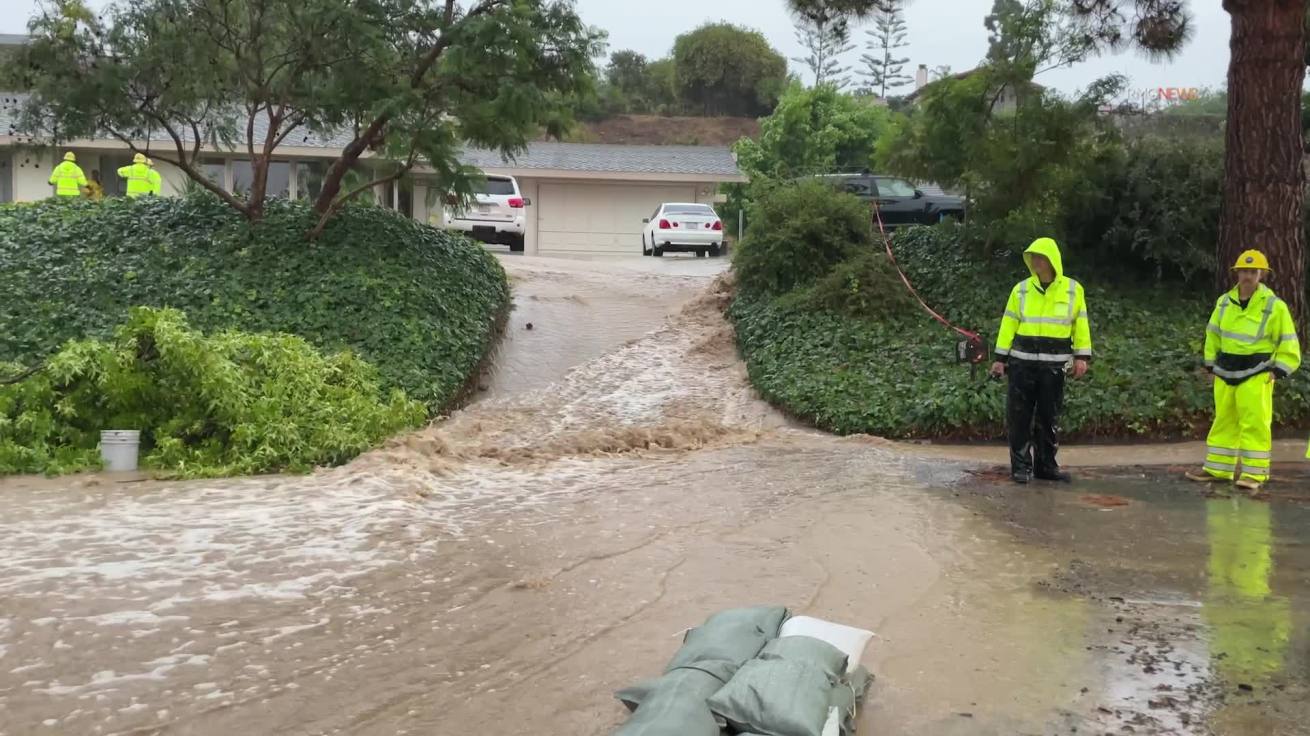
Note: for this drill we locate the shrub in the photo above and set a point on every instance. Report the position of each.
(420, 304)
(797, 234)
(228, 404)
(866, 286)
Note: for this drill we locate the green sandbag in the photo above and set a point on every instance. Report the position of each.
(734, 636)
(816, 652)
(634, 696)
(676, 706)
(776, 697)
(848, 694)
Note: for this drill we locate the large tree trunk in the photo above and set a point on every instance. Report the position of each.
(1263, 175)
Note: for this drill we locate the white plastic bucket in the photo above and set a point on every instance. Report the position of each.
(119, 449)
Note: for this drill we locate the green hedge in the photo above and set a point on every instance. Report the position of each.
(231, 403)
(421, 305)
(895, 376)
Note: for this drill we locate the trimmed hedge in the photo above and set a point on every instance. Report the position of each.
(421, 305)
(895, 375)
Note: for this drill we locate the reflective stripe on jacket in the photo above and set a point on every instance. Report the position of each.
(1241, 343)
(1045, 325)
(68, 179)
(138, 179)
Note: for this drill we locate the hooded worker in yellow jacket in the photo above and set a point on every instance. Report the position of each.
(1044, 335)
(67, 177)
(1250, 343)
(137, 176)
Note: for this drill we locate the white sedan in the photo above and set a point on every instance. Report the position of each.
(684, 228)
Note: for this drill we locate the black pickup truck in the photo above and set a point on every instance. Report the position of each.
(899, 201)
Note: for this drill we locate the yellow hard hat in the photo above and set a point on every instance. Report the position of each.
(140, 158)
(150, 162)
(1252, 259)
(70, 156)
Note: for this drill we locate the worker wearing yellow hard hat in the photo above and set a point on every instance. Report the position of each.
(1250, 343)
(67, 177)
(137, 176)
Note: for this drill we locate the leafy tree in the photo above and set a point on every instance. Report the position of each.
(813, 131)
(1264, 180)
(941, 71)
(723, 69)
(398, 81)
(882, 69)
(627, 77)
(825, 12)
(825, 44)
(664, 86)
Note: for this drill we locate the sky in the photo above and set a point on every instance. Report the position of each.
(940, 32)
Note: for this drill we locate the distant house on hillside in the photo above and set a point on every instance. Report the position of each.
(1008, 101)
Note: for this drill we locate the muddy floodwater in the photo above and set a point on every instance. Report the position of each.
(616, 481)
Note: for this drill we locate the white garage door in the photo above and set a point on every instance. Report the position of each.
(599, 218)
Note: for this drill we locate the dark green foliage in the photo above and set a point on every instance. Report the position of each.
(797, 234)
(894, 376)
(419, 304)
(865, 286)
(227, 404)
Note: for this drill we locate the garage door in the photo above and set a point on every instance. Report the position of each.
(597, 218)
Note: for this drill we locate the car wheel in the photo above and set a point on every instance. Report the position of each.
(516, 244)
(701, 253)
(644, 251)
(716, 251)
(658, 251)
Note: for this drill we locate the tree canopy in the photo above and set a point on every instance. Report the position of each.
(395, 82)
(723, 69)
(814, 131)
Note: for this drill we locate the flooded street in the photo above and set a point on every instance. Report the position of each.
(615, 482)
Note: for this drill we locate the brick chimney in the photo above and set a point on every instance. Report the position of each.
(921, 77)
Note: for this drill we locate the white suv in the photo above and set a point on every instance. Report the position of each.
(497, 214)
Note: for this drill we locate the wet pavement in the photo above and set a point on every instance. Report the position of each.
(505, 570)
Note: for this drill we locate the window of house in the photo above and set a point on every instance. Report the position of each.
(309, 178)
(6, 179)
(213, 170)
(278, 183)
(115, 185)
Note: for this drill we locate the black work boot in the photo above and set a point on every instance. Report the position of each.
(1020, 477)
(1054, 476)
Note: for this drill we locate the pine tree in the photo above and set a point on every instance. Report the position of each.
(826, 43)
(882, 70)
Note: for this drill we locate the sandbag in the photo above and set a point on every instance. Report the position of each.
(847, 696)
(735, 635)
(675, 705)
(849, 639)
(634, 696)
(820, 654)
(775, 697)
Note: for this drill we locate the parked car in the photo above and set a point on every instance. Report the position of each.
(899, 202)
(496, 215)
(681, 227)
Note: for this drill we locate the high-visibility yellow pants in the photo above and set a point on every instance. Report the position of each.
(1242, 433)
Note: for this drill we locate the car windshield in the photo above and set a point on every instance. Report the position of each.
(895, 188)
(494, 186)
(688, 209)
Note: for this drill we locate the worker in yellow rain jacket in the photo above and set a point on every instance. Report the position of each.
(67, 177)
(1044, 334)
(156, 181)
(1249, 344)
(95, 191)
(137, 176)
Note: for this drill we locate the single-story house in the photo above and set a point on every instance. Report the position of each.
(587, 198)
